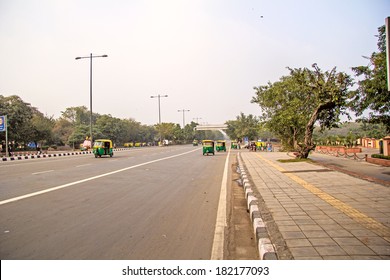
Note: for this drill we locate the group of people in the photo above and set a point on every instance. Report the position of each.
(254, 146)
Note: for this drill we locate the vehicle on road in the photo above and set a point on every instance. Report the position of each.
(208, 147)
(221, 145)
(103, 147)
(195, 143)
(234, 145)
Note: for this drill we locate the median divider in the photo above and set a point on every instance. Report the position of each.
(35, 156)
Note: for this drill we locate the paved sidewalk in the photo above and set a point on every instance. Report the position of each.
(357, 168)
(313, 212)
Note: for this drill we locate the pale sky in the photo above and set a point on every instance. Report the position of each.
(206, 55)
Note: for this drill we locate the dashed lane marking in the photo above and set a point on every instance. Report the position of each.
(89, 179)
(42, 172)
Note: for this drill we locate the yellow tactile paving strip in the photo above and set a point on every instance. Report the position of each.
(348, 210)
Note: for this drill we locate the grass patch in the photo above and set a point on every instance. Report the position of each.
(295, 160)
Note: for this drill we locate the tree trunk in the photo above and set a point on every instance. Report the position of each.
(307, 146)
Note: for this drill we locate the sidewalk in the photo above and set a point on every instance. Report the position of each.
(357, 168)
(314, 212)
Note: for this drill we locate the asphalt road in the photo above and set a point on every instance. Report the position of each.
(149, 203)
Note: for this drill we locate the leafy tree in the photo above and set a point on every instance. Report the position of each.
(41, 128)
(62, 130)
(148, 133)
(168, 131)
(372, 90)
(283, 110)
(297, 102)
(109, 128)
(19, 116)
(77, 115)
(243, 126)
(189, 132)
(78, 135)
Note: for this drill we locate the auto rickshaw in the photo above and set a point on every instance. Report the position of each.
(221, 145)
(195, 143)
(233, 145)
(208, 147)
(102, 147)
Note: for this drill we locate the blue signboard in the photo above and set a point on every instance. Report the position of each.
(2, 123)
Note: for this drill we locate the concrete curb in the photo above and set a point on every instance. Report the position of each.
(265, 247)
(34, 156)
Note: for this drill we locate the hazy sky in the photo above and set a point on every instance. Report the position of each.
(206, 55)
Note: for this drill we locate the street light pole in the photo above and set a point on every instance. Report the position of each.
(183, 110)
(197, 119)
(159, 111)
(90, 88)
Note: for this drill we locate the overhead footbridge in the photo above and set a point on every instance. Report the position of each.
(211, 127)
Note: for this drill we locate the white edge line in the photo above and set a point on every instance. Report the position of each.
(88, 179)
(219, 233)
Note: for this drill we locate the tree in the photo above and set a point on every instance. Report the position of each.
(282, 107)
(61, 131)
(243, 126)
(297, 102)
(19, 116)
(167, 130)
(109, 127)
(372, 90)
(41, 128)
(77, 115)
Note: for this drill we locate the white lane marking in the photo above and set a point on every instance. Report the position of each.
(42, 172)
(89, 179)
(81, 165)
(221, 223)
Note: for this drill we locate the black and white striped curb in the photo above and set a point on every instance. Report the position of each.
(265, 247)
(34, 156)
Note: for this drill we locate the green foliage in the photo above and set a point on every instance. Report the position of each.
(380, 156)
(292, 105)
(244, 126)
(347, 133)
(372, 90)
(25, 123)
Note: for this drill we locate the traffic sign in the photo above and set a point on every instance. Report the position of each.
(2, 123)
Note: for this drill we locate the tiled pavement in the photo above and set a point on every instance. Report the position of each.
(313, 212)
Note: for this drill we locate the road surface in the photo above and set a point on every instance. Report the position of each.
(149, 203)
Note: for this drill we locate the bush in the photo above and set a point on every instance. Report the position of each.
(380, 156)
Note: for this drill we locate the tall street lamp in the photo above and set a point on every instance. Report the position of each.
(159, 111)
(197, 119)
(183, 110)
(90, 88)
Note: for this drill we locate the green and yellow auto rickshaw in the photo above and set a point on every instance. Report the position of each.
(195, 143)
(221, 145)
(233, 145)
(102, 147)
(208, 147)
